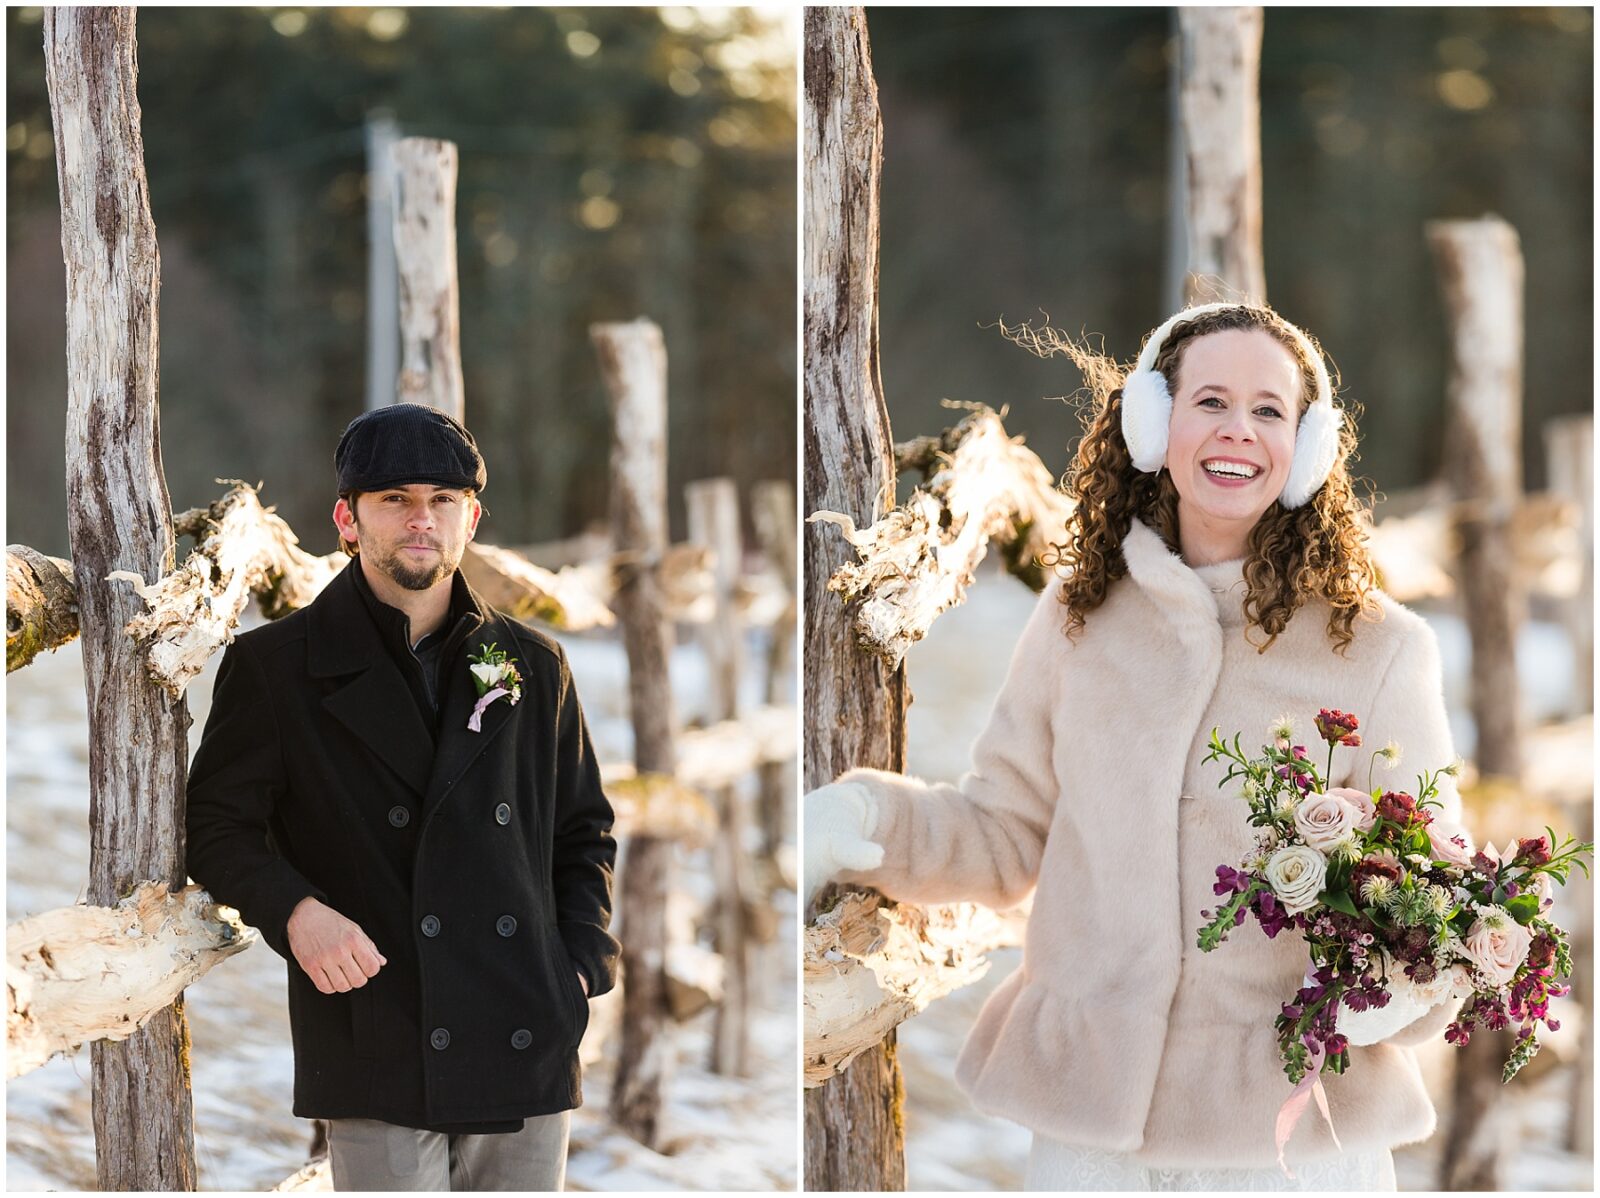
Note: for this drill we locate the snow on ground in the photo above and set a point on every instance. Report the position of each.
(720, 1133)
(955, 675)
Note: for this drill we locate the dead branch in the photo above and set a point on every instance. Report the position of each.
(41, 605)
(871, 964)
(918, 560)
(98, 973)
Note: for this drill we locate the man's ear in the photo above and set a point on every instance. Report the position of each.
(344, 520)
(477, 514)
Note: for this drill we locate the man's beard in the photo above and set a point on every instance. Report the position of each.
(419, 577)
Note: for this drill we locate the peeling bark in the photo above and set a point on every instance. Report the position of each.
(99, 973)
(41, 605)
(918, 560)
(424, 183)
(871, 965)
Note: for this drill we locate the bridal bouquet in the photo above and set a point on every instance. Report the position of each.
(1391, 899)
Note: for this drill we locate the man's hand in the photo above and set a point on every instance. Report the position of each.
(335, 953)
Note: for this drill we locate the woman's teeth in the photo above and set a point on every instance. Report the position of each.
(1230, 470)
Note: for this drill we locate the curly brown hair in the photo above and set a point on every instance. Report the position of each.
(1293, 554)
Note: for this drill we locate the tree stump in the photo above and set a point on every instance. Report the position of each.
(633, 365)
(1219, 69)
(119, 517)
(1480, 276)
(855, 703)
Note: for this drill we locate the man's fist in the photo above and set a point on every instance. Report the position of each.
(335, 953)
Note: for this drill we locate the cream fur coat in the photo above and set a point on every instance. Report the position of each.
(1117, 1032)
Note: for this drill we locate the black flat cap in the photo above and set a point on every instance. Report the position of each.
(407, 443)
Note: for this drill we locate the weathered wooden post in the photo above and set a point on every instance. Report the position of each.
(772, 507)
(714, 522)
(383, 301)
(119, 517)
(424, 183)
(1569, 455)
(1219, 68)
(633, 365)
(1481, 278)
(855, 1139)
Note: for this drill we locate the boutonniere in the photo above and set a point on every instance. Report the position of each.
(495, 676)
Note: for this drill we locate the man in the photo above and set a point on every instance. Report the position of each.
(432, 856)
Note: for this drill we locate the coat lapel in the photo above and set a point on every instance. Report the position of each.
(376, 705)
(1179, 594)
(459, 746)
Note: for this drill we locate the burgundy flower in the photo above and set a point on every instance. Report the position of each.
(1486, 865)
(1542, 951)
(1336, 726)
(1397, 807)
(1533, 850)
(1373, 867)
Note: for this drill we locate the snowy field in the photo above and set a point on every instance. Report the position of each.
(719, 1133)
(955, 674)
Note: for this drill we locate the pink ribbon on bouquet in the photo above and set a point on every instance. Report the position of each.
(1295, 1105)
(475, 722)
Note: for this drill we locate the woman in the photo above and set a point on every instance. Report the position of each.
(1215, 575)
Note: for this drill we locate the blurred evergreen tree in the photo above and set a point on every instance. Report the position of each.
(1025, 171)
(615, 162)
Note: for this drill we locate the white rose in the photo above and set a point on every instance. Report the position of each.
(1296, 873)
(1323, 820)
(1452, 982)
(486, 674)
(1498, 947)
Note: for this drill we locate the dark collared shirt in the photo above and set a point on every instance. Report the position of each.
(420, 661)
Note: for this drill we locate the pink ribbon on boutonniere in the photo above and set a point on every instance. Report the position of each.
(475, 722)
(1295, 1105)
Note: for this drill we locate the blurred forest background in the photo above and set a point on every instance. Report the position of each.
(1026, 170)
(615, 162)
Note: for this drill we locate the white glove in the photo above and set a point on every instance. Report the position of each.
(839, 821)
(1408, 1002)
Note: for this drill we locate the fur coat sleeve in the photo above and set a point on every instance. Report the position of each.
(1409, 710)
(982, 839)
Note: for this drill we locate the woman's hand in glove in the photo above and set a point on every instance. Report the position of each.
(1408, 1003)
(839, 821)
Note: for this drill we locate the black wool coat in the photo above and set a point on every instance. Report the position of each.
(479, 865)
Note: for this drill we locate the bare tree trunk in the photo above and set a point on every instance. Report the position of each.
(1480, 276)
(855, 705)
(383, 301)
(772, 505)
(120, 518)
(1569, 451)
(714, 523)
(633, 364)
(430, 297)
(1219, 98)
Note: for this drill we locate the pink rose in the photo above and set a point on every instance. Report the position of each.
(1362, 802)
(1497, 946)
(1452, 844)
(1323, 820)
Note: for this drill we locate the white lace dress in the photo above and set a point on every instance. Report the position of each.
(1054, 1166)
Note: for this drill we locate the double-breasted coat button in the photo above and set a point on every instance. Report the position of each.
(502, 814)
(505, 925)
(399, 816)
(440, 1038)
(521, 1038)
(430, 925)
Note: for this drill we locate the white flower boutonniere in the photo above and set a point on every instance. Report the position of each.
(495, 676)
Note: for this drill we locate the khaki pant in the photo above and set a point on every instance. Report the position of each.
(367, 1154)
